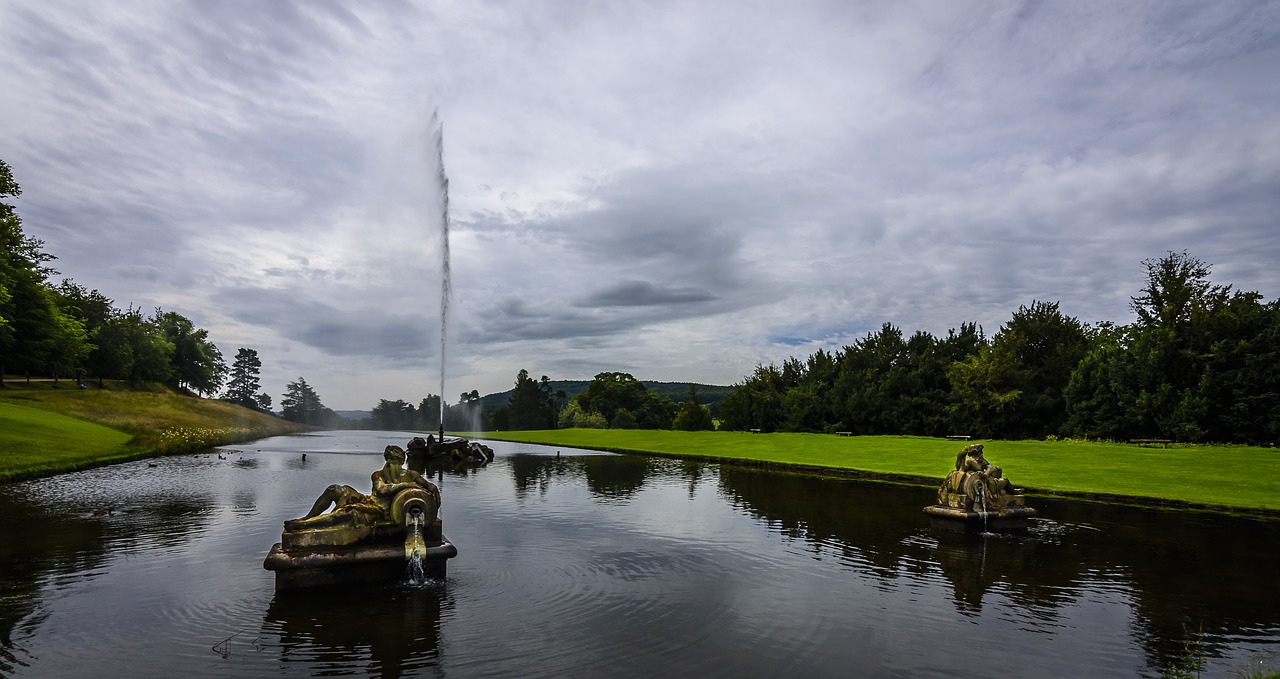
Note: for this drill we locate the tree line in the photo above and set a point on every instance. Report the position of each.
(67, 330)
(612, 400)
(1199, 363)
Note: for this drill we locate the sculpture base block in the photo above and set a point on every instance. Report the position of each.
(371, 563)
(1008, 520)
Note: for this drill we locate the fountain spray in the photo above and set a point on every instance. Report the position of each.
(442, 184)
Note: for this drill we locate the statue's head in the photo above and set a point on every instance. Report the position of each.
(973, 450)
(394, 454)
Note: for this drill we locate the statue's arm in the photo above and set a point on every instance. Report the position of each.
(382, 487)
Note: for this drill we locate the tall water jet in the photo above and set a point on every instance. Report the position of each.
(442, 185)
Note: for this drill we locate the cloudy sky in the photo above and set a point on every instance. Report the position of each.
(679, 190)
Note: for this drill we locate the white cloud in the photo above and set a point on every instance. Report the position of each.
(678, 190)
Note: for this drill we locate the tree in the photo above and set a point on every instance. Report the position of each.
(623, 419)
(429, 413)
(244, 384)
(1198, 363)
(527, 406)
(145, 349)
(8, 189)
(1246, 388)
(1177, 287)
(574, 416)
(113, 356)
(553, 398)
(1014, 386)
(1101, 395)
(68, 346)
(465, 416)
(394, 415)
(95, 311)
(755, 402)
(301, 403)
(693, 416)
(28, 315)
(986, 390)
(610, 391)
(195, 364)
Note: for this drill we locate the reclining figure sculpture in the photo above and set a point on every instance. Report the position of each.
(365, 536)
(975, 496)
(977, 485)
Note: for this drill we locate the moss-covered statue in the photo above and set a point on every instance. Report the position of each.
(357, 516)
(431, 453)
(977, 485)
(393, 532)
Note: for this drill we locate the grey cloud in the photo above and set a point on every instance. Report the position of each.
(633, 185)
(645, 293)
(358, 331)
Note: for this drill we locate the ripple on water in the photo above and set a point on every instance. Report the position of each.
(565, 568)
(597, 607)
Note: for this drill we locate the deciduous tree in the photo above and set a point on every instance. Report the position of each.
(693, 416)
(195, 363)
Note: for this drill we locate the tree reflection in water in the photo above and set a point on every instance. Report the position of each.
(592, 561)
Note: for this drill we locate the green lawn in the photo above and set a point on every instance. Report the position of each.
(46, 431)
(34, 441)
(1237, 477)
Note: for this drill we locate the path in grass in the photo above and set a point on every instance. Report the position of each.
(1236, 477)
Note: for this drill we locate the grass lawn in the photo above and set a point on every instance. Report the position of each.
(34, 441)
(45, 430)
(1237, 477)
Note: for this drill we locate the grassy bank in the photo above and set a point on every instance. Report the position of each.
(1231, 477)
(46, 431)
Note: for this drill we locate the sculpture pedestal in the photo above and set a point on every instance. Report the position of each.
(1007, 520)
(362, 564)
(386, 536)
(304, 558)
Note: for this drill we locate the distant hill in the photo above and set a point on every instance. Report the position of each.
(709, 395)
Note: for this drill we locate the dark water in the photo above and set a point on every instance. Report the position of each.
(601, 565)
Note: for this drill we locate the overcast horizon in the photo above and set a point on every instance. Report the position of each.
(680, 191)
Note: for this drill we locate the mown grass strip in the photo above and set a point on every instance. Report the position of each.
(33, 441)
(46, 431)
(1234, 477)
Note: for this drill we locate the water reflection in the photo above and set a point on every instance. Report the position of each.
(587, 563)
(61, 531)
(607, 477)
(380, 631)
(1179, 570)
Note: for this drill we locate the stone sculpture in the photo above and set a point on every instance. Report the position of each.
(977, 496)
(976, 484)
(365, 536)
(352, 508)
(430, 452)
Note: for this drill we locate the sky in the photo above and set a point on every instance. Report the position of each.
(677, 190)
